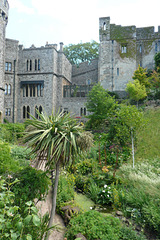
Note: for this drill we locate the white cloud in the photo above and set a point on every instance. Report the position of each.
(20, 7)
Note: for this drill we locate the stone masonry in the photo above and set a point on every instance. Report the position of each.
(122, 49)
(3, 22)
(43, 78)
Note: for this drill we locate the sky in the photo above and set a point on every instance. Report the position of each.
(72, 21)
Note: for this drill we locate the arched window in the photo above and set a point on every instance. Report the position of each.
(40, 109)
(81, 111)
(6, 89)
(27, 65)
(140, 48)
(35, 64)
(156, 47)
(39, 64)
(104, 26)
(9, 89)
(26, 90)
(28, 111)
(36, 115)
(30, 67)
(24, 112)
(31, 89)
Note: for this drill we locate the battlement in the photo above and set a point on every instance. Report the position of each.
(147, 32)
(109, 31)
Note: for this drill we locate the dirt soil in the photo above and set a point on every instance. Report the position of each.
(45, 206)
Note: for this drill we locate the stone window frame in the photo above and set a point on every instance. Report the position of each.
(123, 48)
(83, 111)
(33, 90)
(140, 48)
(40, 109)
(8, 66)
(8, 112)
(8, 89)
(118, 71)
(156, 47)
(25, 111)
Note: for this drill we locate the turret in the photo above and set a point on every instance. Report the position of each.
(4, 7)
(104, 29)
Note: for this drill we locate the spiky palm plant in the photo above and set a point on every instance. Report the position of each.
(56, 140)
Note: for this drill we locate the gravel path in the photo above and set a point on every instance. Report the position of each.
(45, 206)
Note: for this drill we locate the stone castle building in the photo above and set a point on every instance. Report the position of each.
(43, 78)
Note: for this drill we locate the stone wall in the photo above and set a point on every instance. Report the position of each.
(74, 106)
(3, 22)
(11, 78)
(122, 49)
(85, 73)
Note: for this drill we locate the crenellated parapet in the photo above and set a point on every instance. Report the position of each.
(4, 7)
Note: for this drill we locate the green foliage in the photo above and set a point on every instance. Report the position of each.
(13, 224)
(21, 153)
(127, 233)
(7, 163)
(136, 90)
(105, 196)
(94, 225)
(56, 137)
(139, 194)
(128, 118)
(65, 191)
(141, 75)
(32, 184)
(148, 138)
(101, 106)
(10, 132)
(81, 52)
(155, 83)
(157, 60)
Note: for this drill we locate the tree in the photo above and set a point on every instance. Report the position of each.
(57, 140)
(141, 75)
(155, 81)
(126, 124)
(101, 106)
(136, 90)
(157, 60)
(81, 52)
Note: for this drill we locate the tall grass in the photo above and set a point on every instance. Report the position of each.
(148, 145)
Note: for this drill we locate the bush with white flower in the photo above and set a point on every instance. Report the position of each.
(105, 195)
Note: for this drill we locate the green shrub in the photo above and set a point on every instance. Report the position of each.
(93, 191)
(32, 184)
(94, 226)
(15, 224)
(7, 163)
(65, 191)
(139, 194)
(127, 233)
(10, 132)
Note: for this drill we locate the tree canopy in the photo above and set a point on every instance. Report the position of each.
(81, 52)
(101, 105)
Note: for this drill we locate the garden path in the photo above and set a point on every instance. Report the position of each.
(45, 206)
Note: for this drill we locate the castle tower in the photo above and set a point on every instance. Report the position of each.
(4, 7)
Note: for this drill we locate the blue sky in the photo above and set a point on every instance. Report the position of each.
(71, 21)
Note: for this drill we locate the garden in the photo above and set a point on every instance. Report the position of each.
(104, 173)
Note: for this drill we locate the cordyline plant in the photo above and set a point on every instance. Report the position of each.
(56, 140)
